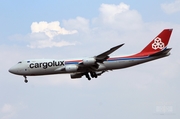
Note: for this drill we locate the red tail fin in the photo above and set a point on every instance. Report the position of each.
(159, 43)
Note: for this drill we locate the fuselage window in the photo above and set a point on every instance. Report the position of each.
(28, 61)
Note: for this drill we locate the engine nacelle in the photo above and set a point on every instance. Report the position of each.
(76, 75)
(89, 61)
(71, 68)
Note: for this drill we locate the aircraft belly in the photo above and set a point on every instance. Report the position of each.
(41, 71)
(117, 64)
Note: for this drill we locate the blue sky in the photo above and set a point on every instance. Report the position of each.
(69, 29)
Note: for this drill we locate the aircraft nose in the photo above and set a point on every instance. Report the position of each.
(13, 70)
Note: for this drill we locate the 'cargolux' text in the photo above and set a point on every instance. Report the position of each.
(45, 65)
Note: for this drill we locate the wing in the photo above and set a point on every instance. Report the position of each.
(88, 65)
(92, 64)
(105, 55)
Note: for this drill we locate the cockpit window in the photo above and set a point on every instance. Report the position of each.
(19, 62)
(28, 61)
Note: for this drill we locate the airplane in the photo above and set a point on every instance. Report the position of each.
(92, 67)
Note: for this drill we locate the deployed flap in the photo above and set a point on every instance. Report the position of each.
(102, 57)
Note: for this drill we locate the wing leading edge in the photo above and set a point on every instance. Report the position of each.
(105, 55)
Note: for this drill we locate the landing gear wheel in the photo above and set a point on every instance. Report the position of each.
(93, 74)
(25, 80)
(87, 76)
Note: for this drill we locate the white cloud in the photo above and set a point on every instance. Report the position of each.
(79, 23)
(10, 111)
(119, 16)
(50, 29)
(172, 7)
(7, 108)
(43, 34)
(109, 11)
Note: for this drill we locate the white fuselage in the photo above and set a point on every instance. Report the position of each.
(51, 66)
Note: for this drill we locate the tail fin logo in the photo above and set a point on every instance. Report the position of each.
(158, 44)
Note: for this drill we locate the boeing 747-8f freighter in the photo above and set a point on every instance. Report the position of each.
(92, 67)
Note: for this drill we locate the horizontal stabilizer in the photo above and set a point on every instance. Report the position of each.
(164, 52)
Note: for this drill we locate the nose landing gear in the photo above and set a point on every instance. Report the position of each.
(25, 80)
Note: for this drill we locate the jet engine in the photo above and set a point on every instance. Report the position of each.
(71, 68)
(76, 75)
(89, 61)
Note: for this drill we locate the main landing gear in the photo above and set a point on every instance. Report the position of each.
(87, 76)
(92, 74)
(25, 80)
